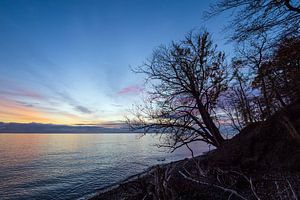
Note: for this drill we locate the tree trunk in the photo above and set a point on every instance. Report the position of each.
(207, 120)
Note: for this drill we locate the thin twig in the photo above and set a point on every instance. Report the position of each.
(217, 186)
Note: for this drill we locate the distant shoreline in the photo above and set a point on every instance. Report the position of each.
(72, 133)
(60, 128)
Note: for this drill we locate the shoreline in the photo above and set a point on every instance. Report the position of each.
(260, 162)
(142, 175)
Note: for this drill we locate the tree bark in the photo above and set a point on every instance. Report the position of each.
(207, 120)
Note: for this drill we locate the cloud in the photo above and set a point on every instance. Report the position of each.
(17, 91)
(25, 104)
(116, 105)
(83, 109)
(132, 89)
(13, 111)
(19, 111)
(72, 102)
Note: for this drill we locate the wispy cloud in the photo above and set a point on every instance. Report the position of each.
(75, 104)
(19, 111)
(116, 105)
(13, 111)
(132, 89)
(83, 109)
(14, 90)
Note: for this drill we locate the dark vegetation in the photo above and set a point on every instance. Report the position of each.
(261, 162)
(193, 91)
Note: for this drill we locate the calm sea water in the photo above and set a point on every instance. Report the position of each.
(74, 166)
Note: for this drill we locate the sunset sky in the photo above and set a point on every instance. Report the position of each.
(68, 62)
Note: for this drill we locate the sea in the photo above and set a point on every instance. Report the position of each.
(77, 166)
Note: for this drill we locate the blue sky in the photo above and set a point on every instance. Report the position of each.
(68, 62)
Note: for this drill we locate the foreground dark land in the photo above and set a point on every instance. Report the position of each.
(262, 162)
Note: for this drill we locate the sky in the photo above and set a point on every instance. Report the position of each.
(69, 61)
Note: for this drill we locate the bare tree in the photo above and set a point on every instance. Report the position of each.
(279, 18)
(263, 80)
(185, 82)
(238, 101)
(258, 27)
(284, 70)
(281, 74)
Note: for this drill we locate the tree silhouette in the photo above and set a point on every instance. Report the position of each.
(185, 82)
(277, 18)
(281, 73)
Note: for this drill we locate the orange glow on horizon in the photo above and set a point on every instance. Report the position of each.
(11, 111)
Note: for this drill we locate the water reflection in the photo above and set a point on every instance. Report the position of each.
(68, 166)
